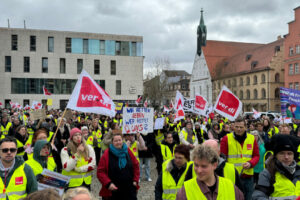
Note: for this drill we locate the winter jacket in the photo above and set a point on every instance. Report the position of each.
(149, 143)
(103, 168)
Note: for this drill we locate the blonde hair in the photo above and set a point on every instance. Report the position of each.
(71, 193)
(205, 152)
(73, 147)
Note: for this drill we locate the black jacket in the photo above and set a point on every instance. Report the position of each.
(149, 143)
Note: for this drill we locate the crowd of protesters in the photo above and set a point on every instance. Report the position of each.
(196, 157)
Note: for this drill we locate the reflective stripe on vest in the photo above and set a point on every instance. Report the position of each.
(284, 188)
(5, 129)
(16, 188)
(168, 184)
(166, 152)
(134, 149)
(225, 189)
(77, 178)
(238, 155)
(37, 168)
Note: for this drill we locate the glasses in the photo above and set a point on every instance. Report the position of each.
(12, 150)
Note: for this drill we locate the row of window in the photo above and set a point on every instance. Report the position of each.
(255, 94)
(62, 65)
(291, 86)
(87, 46)
(297, 50)
(55, 86)
(294, 69)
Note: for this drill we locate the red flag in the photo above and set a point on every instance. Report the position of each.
(138, 100)
(88, 96)
(0, 103)
(27, 107)
(166, 109)
(200, 105)
(179, 100)
(146, 104)
(228, 105)
(46, 92)
(171, 106)
(179, 114)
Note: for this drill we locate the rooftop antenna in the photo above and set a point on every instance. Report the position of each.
(8, 26)
(24, 24)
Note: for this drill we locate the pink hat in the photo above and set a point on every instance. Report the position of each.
(73, 131)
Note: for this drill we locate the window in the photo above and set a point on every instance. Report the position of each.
(85, 46)
(32, 43)
(241, 94)
(183, 86)
(219, 85)
(263, 78)
(118, 87)
(255, 93)
(248, 81)
(6, 103)
(113, 67)
(200, 90)
(248, 94)
(241, 82)
(297, 68)
(291, 69)
(14, 42)
(118, 48)
(7, 63)
(79, 65)
(50, 44)
(298, 49)
(296, 86)
(102, 84)
(62, 65)
(44, 65)
(277, 77)
(248, 56)
(254, 64)
(263, 93)
(229, 83)
(26, 102)
(63, 104)
(277, 93)
(68, 45)
(234, 83)
(26, 64)
(133, 49)
(291, 86)
(291, 51)
(102, 47)
(254, 80)
(96, 66)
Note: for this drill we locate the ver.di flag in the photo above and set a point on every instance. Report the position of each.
(88, 96)
(228, 105)
(179, 114)
(179, 100)
(200, 105)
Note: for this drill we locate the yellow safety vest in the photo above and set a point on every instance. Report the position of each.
(16, 188)
(105, 124)
(77, 178)
(30, 136)
(238, 155)
(98, 135)
(169, 186)
(134, 149)
(19, 145)
(90, 140)
(295, 126)
(166, 152)
(37, 167)
(50, 136)
(185, 134)
(298, 150)
(202, 132)
(118, 121)
(159, 137)
(284, 188)
(5, 130)
(225, 190)
(270, 132)
(268, 152)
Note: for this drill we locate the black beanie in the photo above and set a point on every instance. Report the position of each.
(283, 143)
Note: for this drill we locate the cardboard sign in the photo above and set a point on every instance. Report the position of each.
(159, 123)
(49, 102)
(68, 114)
(137, 119)
(37, 114)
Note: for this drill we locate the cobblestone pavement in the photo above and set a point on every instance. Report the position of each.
(146, 191)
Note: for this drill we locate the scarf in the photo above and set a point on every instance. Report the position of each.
(291, 168)
(121, 154)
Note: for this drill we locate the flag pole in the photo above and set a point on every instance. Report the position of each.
(62, 117)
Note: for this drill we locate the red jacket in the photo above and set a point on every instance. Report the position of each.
(102, 172)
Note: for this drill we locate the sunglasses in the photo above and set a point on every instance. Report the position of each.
(12, 150)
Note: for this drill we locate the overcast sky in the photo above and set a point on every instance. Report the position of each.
(168, 27)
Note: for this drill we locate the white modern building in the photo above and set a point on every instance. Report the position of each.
(31, 58)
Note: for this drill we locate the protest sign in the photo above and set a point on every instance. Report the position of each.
(49, 102)
(37, 114)
(137, 119)
(119, 107)
(200, 106)
(290, 102)
(159, 123)
(188, 105)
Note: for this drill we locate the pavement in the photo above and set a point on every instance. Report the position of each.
(146, 191)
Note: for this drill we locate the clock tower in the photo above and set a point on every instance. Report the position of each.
(201, 34)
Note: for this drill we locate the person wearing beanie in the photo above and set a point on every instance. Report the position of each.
(78, 160)
(173, 173)
(281, 177)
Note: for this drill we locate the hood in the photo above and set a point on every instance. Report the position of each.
(37, 149)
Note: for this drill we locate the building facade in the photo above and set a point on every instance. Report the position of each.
(30, 59)
(292, 53)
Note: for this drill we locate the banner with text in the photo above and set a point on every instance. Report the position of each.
(137, 119)
(290, 103)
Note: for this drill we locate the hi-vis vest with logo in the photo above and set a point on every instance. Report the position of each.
(284, 188)
(4, 130)
(134, 149)
(98, 135)
(185, 134)
(166, 152)
(238, 155)
(225, 190)
(77, 178)
(159, 137)
(169, 186)
(37, 167)
(16, 188)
